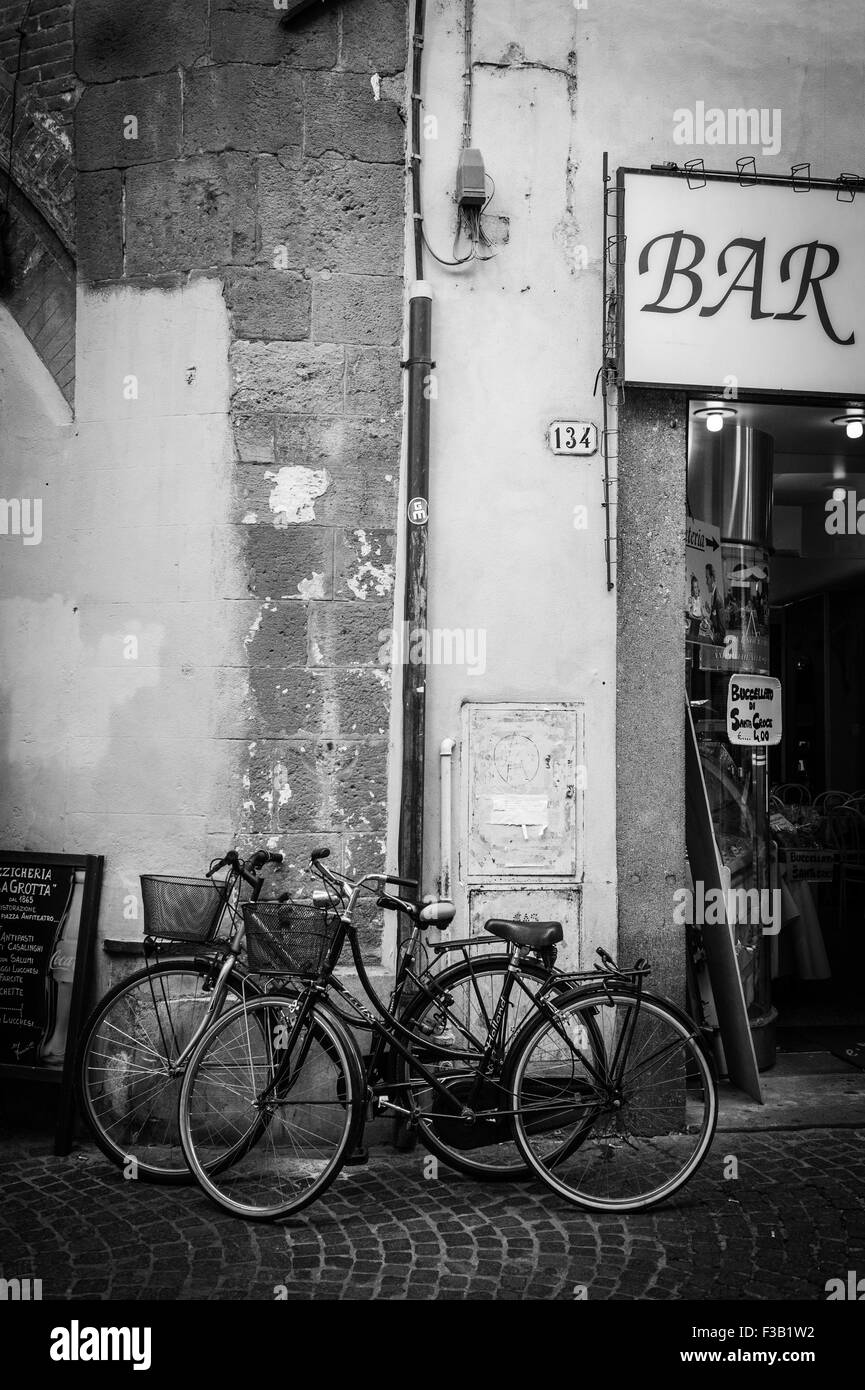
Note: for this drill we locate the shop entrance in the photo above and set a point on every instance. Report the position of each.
(775, 587)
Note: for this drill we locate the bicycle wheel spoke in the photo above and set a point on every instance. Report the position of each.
(449, 1040)
(633, 1141)
(264, 1132)
(128, 1088)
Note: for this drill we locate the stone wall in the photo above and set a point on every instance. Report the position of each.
(211, 141)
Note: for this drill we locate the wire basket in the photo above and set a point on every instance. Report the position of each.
(287, 938)
(181, 909)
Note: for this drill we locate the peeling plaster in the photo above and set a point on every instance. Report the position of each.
(254, 626)
(375, 83)
(295, 491)
(381, 578)
(312, 588)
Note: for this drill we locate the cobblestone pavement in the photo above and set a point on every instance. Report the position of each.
(792, 1219)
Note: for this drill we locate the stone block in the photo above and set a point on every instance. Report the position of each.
(100, 226)
(358, 785)
(104, 122)
(269, 304)
(322, 704)
(289, 562)
(332, 214)
(330, 786)
(247, 31)
(278, 637)
(253, 437)
(365, 309)
(190, 214)
(373, 381)
(343, 116)
(290, 377)
(120, 40)
(364, 564)
(241, 106)
(350, 634)
(365, 854)
(375, 36)
(283, 794)
(296, 493)
(361, 446)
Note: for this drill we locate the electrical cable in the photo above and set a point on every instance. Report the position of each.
(469, 219)
(468, 28)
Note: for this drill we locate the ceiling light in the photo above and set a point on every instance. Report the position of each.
(853, 422)
(715, 415)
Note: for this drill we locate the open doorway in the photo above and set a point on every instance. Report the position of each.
(779, 488)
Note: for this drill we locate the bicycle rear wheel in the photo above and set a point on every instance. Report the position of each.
(266, 1119)
(625, 1134)
(449, 1031)
(126, 1069)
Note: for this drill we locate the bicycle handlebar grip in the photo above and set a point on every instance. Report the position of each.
(319, 854)
(275, 856)
(403, 882)
(230, 857)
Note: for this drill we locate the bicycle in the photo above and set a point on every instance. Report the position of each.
(607, 1091)
(138, 1038)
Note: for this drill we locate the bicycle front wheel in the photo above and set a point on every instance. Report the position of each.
(268, 1111)
(619, 1128)
(128, 1071)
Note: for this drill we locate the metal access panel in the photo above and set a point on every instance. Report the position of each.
(533, 904)
(524, 775)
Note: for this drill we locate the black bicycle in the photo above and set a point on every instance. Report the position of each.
(606, 1091)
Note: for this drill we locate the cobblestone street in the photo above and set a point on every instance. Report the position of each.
(792, 1219)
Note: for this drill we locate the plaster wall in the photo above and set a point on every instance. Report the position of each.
(122, 632)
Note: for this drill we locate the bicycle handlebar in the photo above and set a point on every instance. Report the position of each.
(249, 869)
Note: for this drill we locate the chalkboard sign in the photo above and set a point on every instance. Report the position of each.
(48, 910)
(34, 916)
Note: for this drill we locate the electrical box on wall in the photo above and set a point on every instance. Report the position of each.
(521, 854)
(471, 179)
(524, 782)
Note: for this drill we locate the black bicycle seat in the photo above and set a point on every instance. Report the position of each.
(536, 935)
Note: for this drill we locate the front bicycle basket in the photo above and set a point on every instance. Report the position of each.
(181, 909)
(287, 938)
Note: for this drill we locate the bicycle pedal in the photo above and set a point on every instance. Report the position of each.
(358, 1157)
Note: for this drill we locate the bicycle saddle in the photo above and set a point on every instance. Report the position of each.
(533, 934)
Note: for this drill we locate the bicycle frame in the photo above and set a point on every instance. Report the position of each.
(388, 1032)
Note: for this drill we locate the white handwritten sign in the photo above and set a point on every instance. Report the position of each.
(754, 711)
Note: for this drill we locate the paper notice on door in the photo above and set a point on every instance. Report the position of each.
(521, 810)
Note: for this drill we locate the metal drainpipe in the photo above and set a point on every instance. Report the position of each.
(446, 754)
(418, 365)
